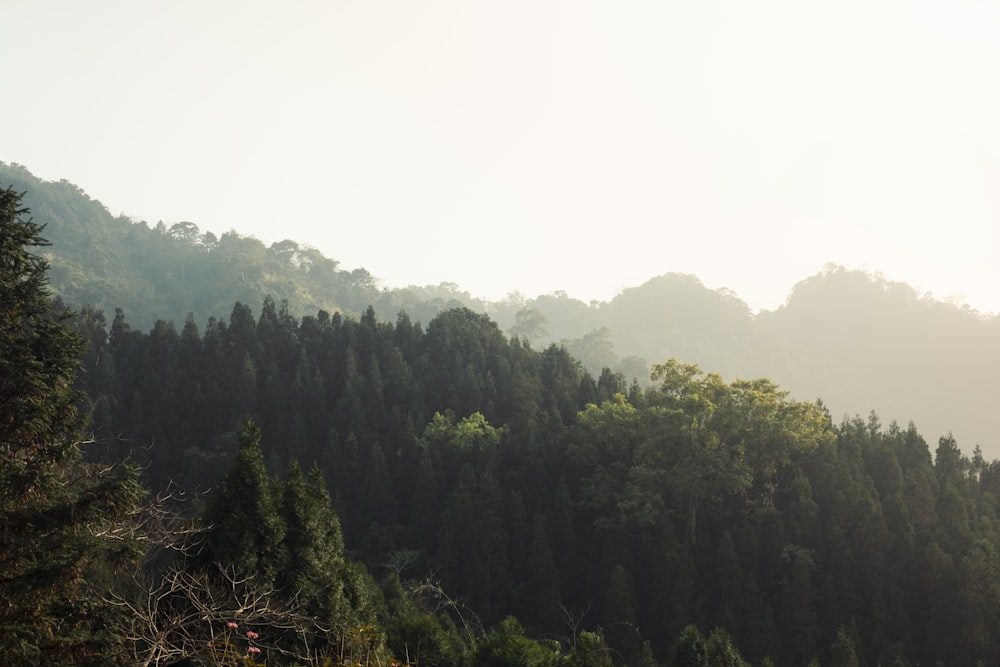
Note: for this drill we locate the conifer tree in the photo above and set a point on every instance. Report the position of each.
(247, 531)
(313, 547)
(57, 514)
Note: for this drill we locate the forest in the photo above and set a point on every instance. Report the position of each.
(857, 340)
(283, 487)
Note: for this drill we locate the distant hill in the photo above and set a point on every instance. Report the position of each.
(855, 340)
(156, 271)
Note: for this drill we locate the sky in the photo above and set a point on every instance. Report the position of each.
(535, 146)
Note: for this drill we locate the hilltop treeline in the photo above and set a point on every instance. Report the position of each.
(859, 341)
(523, 485)
(156, 270)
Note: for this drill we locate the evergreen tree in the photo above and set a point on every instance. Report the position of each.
(56, 512)
(842, 653)
(246, 530)
(506, 645)
(689, 650)
(313, 545)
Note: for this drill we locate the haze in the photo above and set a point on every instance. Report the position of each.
(536, 146)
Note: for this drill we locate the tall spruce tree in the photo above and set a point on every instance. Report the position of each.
(247, 531)
(314, 546)
(57, 514)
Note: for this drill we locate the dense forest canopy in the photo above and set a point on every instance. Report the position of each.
(526, 486)
(367, 489)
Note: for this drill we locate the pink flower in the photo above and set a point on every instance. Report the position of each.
(231, 625)
(254, 650)
(252, 635)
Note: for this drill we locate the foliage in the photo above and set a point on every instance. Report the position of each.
(847, 336)
(522, 485)
(506, 645)
(481, 477)
(58, 514)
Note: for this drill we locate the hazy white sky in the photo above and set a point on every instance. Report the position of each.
(538, 146)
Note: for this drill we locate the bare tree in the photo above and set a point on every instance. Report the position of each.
(215, 617)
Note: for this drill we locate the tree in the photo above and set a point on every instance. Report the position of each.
(842, 653)
(689, 650)
(530, 324)
(507, 645)
(314, 546)
(692, 649)
(57, 513)
(246, 529)
(590, 650)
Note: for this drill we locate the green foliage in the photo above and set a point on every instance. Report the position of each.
(39, 359)
(692, 649)
(689, 649)
(845, 335)
(472, 431)
(507, 645)
(530, 324)
(589, 650)
(59, 515)
(695, 501)
(415, 633)
(843, 652)
(313, 549)
(247, 531)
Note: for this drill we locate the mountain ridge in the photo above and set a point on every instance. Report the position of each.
(854, 339)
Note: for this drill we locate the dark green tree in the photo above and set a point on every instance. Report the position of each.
(589, 650)
(689, 650)
(246, 529)
(721, 652)
(58, 515)
(313, 546)
(507, 645)
(692, 649)
(842, 653)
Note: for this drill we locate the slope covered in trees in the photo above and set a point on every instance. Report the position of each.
(490, 500)
(92, 573)
(525, 486)
(858, 341)
(159, 271)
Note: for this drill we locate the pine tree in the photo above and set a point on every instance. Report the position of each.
(313, 546)
(247, 531)
(57, 513)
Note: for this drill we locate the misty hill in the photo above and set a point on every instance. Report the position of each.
(164, 272)
(856, 341)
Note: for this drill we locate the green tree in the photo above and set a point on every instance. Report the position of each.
(842, 653)
(692, 649)
(416, 634)
(58, 514)
(313, 545)
(506, 645)
(721, 652)
(530, 324)
(689, 650)
(589, 650)
(246, 530)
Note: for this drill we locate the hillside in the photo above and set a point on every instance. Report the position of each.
(520, 484)
(854, 340)
(462, 482)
